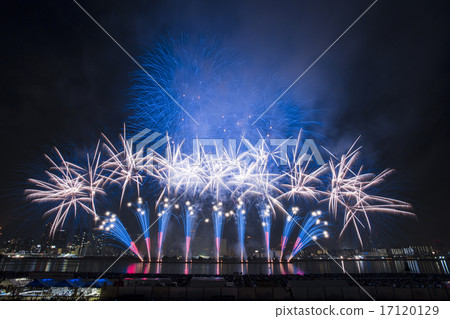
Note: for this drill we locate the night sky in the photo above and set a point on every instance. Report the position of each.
(64, 81)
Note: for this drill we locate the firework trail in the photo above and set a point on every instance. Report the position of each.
(290, 221)
(218, 219)
(142, 213)
(312, 229)
(241, 221)
(164, 214)
(94, 176)
(113, 228)
(265, 216)
(69, 187)
(190, 221)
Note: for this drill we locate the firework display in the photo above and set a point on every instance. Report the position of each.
(185, 184)
(248, 184)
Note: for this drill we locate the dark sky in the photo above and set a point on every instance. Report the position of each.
(64, 81)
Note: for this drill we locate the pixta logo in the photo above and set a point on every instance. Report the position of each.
(147, 141)
(308, 151)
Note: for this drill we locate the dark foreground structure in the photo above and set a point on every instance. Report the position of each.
(118, 286)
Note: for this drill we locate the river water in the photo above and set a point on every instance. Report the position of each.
(304, 267)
